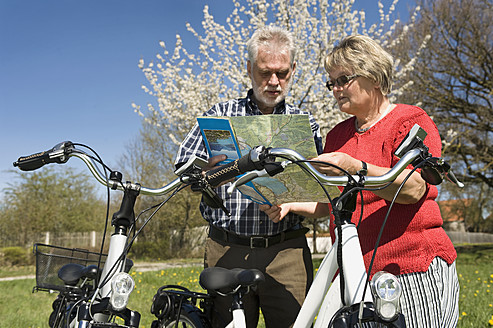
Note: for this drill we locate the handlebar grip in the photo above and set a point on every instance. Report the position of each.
(228, 171)
(32, 162)
(57, 154)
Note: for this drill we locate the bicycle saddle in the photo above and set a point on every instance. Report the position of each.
(228, 280)
(71, 273)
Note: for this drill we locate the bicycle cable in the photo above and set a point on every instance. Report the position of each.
(377, 243)
(99, 160)
(129, 244)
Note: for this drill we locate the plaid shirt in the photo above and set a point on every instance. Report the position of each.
(246, 217)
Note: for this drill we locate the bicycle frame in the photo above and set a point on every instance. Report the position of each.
(323, 300)
(355, 278)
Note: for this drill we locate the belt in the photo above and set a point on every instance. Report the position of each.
(219, 234)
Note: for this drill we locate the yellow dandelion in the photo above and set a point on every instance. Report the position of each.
(464, 313)
(491, 321)
(476, 272)
(140, 273)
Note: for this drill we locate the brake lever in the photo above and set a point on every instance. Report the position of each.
(270, 169)
(212, 199)
(452, 178)
(245, 179)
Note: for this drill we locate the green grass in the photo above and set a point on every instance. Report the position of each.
(474, 266)
(475, 270)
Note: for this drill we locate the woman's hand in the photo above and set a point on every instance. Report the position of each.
(342, 160)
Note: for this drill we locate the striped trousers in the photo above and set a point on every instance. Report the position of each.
(431, 299)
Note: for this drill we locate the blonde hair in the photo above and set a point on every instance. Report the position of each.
(272, 37)
(364, 57)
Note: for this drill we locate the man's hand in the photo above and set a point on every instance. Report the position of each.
(275, 212)
(213, 161)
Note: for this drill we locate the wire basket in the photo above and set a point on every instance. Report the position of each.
(49, 259)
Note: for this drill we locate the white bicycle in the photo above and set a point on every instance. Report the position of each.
(94, 288)
(337, 299)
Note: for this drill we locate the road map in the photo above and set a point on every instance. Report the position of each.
(235, 136)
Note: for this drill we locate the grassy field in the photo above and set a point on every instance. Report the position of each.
(474, 266)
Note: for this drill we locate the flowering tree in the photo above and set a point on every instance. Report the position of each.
(186, 84)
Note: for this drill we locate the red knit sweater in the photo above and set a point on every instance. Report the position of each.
(413, 234)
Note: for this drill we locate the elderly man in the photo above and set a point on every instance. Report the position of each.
(285, 262)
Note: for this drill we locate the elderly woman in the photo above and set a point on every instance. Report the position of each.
(414, 245)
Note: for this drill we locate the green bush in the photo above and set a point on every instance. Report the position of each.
(151, 250)
(15, 256)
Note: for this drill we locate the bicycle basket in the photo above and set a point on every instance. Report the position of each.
(49, 259)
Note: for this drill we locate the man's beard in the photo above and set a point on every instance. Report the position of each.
(258, 92)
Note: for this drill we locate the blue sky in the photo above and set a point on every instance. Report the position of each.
(68, 69)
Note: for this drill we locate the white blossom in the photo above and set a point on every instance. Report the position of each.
(187, 84)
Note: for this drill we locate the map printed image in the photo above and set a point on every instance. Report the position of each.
(279, 131)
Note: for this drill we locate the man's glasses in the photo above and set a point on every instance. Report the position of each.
(340, 81)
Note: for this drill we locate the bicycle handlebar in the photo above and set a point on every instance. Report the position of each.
(246, 164)
(63, 151)
(260, 161)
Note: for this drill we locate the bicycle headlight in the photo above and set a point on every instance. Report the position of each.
(386, 290)
(122, 285)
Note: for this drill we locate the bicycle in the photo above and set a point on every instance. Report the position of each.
(96, 305)
(94, 288)
(338, 299)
